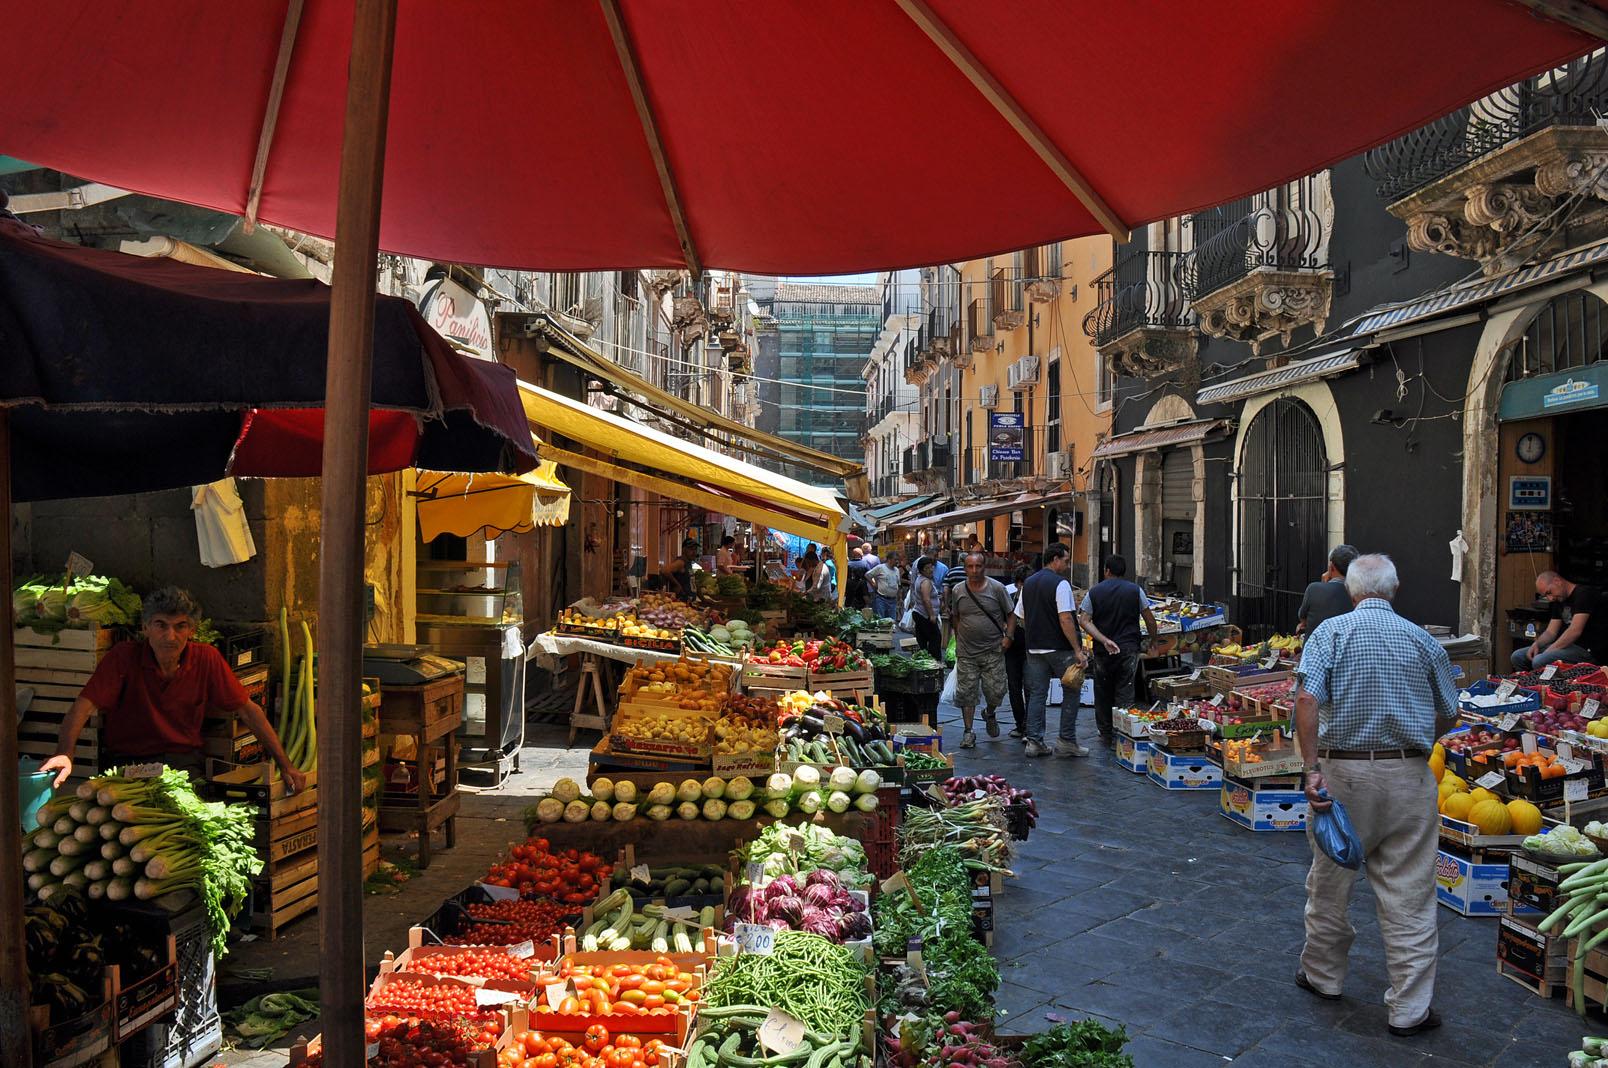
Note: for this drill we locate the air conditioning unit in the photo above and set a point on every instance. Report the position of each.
(988, 396)
(1059, 465)
(1023, 374)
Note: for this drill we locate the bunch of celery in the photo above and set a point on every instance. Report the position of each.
(151, 839)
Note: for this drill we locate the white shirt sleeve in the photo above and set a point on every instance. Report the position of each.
(1063, 598)
(1019, 613)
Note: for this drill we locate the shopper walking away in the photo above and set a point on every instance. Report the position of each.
(1578, 631)
(830, 567)
(1054, 644)
(1327, 597)
(1016, 655)
(1376, 691)
(978, 612)
(854, 595)
(924, 600)
(1111, 613)
(884, 579)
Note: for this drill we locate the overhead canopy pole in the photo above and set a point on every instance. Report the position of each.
(1012, 112)
(1573, 13)
(270, 118)
(348, 385)
(626, 51)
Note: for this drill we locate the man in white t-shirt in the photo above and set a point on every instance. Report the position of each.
(1047, 609)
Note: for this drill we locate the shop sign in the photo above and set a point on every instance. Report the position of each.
(1007, 434)
(1578, 389)
(454, 313)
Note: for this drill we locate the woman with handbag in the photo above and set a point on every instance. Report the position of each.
(923, 610)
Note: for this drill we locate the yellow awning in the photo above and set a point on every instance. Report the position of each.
(450, 503)
(718, 483)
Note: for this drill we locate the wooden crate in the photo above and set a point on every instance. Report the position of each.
(284, 891)
(428, 710)
(56, 667)
(758, 675)
(842, 682)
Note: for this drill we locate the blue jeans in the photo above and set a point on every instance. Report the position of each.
(885, 607)
(1036, 675)
(1572, 654)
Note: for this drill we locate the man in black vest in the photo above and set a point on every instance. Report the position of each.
(1054, 644)
(1111, 613)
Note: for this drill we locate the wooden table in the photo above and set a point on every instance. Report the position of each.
(429, 713)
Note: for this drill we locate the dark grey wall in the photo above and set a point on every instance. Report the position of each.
(146, 540)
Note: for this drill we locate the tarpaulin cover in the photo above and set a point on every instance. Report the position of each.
(835, 118)
(490, 504)
(127, 374)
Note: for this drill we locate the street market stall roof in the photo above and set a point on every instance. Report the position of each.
(888, 511)
(572, 350)
(719, 483)
(493, 504)
(1208, 102)
(988, 509)
(128, 373)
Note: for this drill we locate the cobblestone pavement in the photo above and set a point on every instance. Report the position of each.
(1131, 904)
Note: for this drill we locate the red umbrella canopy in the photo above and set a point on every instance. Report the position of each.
(797, 137)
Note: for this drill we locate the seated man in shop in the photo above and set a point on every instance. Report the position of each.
(1578, 631)
(154, 693)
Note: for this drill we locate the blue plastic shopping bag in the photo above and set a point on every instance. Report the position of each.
(1335, 835)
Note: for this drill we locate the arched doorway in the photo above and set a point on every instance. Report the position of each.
(1283, 515)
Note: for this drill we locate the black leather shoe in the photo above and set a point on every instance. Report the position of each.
(1306, 984)
(1430, 1021)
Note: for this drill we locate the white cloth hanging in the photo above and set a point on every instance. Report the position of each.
(220, 524)
(1459, 547)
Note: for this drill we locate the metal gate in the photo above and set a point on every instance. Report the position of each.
(1178, 485)
(1283, 516)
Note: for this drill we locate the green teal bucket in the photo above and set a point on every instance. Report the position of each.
(34, 788)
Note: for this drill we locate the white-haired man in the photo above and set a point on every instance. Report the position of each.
(1376, 691)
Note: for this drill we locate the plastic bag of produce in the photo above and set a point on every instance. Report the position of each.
(1335, 835)
(947, 696)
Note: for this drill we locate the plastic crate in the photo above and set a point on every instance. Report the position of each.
(195, 1031)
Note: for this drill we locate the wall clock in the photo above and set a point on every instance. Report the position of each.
(1531, 447)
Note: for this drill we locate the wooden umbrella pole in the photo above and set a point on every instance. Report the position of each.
(16, 1047)
(348, 385)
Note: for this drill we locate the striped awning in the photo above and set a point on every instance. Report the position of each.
(1161, 437)
(1334, 363)
(1480, 292)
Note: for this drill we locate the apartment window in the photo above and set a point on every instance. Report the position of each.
(949, 407)
(1103, 382)
(1052, 408)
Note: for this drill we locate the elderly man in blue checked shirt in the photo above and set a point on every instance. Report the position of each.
(1376, 691)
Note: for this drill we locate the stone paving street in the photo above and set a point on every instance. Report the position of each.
(1132, 904)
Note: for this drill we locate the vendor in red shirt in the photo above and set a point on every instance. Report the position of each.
(155, 692)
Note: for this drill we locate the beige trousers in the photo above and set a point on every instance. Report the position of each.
(1392, 806)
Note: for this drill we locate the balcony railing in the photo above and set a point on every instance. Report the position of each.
(979, 325)
(1571, 95)
(1005, 298)
(1141, 290)
(1280, 230)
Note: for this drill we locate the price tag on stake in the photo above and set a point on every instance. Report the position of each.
(1527, 742)
(796, 843)
(1509, 722)
(1271, 662)
(1194, 676)
(780, 1032)
(936, 792)
(894, 882)
(1548, 672)
(371, 1051)
(1572, 766)
(1490, 780)
(79, 565)
(1575, 789)
(527, 948)
(1565, 751)
(832, 723)
(484, 997)
(640, 874)
(1217, 701)
(680, 912)
(557, 993)
(152, 770)
(756, 938)
(1591, 709)
(754, 873)
(1507, 688)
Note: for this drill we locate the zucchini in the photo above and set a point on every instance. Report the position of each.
(676, 888)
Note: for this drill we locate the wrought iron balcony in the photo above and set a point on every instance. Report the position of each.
(1041, 273)
(1142, 322)
(927, 463)
(1260, 266)
(1005, 299)
(920, 365)
(1479, 183)
(979, 326)
(933, 336)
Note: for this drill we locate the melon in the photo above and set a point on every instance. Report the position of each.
(1437, 762)
(1457, 781)
(1491, 817)
(1480, 793)
(1525, 816)
(1446, 788)
(1457, 805)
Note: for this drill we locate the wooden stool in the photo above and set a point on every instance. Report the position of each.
(591, 672)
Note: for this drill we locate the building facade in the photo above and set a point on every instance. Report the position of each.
(892, 421)
(1403, 352)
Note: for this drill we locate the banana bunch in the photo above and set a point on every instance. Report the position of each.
(1289, 643)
